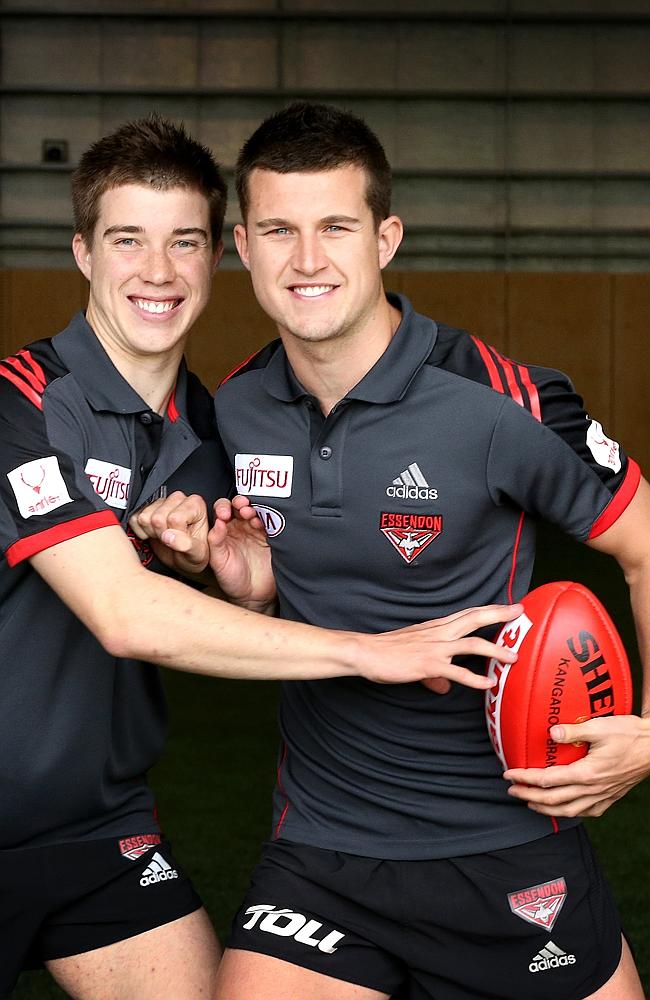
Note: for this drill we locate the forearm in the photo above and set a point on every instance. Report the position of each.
(639, 583)
(186, 630)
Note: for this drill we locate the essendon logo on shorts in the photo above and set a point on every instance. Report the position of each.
(135, 847)
(539, 904)
(410, 533)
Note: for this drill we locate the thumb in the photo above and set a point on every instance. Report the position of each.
(576, 734)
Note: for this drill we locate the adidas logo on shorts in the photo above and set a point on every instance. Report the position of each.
(157, 871)
(551, 957)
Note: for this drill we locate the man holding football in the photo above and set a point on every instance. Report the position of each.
(397, 465)
(95, 422)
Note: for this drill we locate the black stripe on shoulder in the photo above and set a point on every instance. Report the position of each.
(456, 351)
(255, 362)
(31, 369)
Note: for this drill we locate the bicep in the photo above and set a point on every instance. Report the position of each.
(92, 573)
(628, 538)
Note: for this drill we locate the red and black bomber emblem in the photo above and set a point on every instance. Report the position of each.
(410, 533)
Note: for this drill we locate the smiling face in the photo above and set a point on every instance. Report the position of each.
(150, 268)
(314, 252)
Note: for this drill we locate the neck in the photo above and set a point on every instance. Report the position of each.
(330, 368)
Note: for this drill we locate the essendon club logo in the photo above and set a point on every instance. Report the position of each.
(134, 847)
(539, 904)
(410, 534)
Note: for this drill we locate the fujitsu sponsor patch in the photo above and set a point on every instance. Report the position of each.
(605, 451)
(264, 475)
(272, 520)
(410, 534)
(540, 904)
(111, 482)
(39, 486)
(134, 847)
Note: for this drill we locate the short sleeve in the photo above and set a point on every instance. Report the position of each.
(41, 501)
(563, 468)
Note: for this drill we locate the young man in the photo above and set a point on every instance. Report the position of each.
(414, 455)
(93, 424)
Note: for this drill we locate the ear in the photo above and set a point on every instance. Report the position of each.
(82, 255)
(389, 237)
(217, 254)
(241, 242)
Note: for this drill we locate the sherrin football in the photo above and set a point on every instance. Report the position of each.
(571, 667)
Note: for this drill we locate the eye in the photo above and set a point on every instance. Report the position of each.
(126, 241)
(332, 228)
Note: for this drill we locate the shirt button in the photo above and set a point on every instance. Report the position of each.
(142, 470)
(325, 452)
(146, 418)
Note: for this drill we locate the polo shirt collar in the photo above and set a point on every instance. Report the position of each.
(388, 379)
(101, 383)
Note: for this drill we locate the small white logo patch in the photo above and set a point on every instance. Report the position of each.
(111, 482)
(287, 923)
(39, 486)
(271, 518)
(605, 451)
(264, 475)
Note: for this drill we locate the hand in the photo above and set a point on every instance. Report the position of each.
(240, 557)
(178, 528)
(424, 652)
(618, 758)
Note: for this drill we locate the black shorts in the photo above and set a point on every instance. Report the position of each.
(70, 898)
(533, 921)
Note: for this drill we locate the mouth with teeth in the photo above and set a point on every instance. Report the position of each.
(311, 291)
(155, 307)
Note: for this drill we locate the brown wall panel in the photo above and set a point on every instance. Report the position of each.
(38, 304)
(593, 326)
(564, 321)
(473, 301)
(631, 370)
(232, 328)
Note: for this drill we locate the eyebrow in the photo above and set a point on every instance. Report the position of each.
(329, 220)
(189, 231)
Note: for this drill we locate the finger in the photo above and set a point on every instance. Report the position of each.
(179, 541)
(241, 503)
(461, 675)
(474, 646)
(492, 614)
(439, 685)
(545, 777)
(223, 510)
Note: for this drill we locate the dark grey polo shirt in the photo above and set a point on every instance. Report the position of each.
(79, 450)
(414, 498)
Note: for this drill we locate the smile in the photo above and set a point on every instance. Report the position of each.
(312, 291)
(156, 306)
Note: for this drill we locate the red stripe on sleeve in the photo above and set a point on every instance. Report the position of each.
(531, 389)
(28, 375)
(495, 378)
(619, 501)
(20, 383)
(34, 365)
(510, 377)
(25, 548)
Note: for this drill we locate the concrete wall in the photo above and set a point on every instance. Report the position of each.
(518, 131)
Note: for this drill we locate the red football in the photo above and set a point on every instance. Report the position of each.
(572, 666)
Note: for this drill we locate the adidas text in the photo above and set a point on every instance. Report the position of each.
(286, 923)
(412, 492)
(551, 957)
(158, 870)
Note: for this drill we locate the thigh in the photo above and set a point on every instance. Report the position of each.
(624, 984)
(532, 921)
(178, 959)
(113, 896)
(244, 974)
(306, 918)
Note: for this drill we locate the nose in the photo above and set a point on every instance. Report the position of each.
(157, 267)
(309, 256)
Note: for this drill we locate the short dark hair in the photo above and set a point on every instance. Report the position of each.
(151, 151)
(306, 137)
